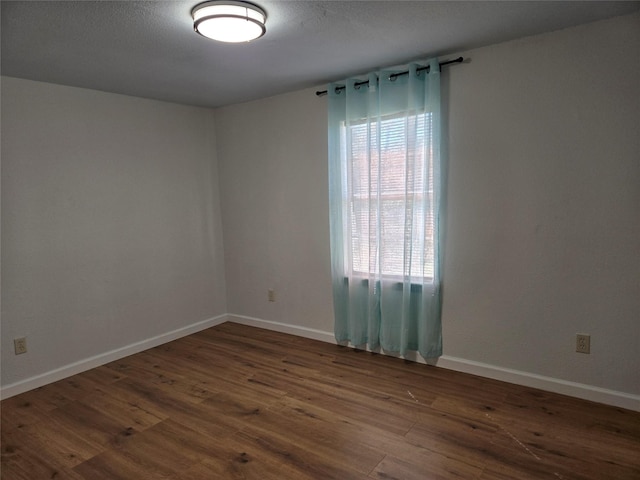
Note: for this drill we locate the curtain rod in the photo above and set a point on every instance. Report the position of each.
(395, 75)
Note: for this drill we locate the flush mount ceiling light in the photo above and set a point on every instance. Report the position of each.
(229, 21)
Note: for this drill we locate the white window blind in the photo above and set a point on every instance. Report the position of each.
(389, 197)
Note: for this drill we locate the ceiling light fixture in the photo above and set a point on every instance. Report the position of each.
(229, 21)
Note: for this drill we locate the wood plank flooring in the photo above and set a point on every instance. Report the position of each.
(235, 402)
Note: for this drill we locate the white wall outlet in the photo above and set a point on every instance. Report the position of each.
(271, 295)
(20, 345)
(583, 343)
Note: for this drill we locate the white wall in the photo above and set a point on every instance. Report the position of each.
(273, 166)
(111, 229)
(544, 205)
(544, 198)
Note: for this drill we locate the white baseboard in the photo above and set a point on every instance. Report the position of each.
(579, 390)
(550, 384)
(305, 332)
(98, 360)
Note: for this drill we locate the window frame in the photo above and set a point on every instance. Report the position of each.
(349, 198)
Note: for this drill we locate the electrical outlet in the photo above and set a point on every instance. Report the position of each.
(583, 343)
(271, 295)
(20, 345)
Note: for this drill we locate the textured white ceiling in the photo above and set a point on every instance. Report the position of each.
(149, 49)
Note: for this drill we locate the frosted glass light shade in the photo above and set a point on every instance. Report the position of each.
(229, 21)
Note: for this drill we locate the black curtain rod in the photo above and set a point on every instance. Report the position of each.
(395, 75)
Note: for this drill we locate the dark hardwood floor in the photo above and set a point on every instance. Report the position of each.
(234, 402)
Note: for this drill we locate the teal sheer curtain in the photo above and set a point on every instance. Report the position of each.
(385, 190)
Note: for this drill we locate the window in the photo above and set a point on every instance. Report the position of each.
(388, 178)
